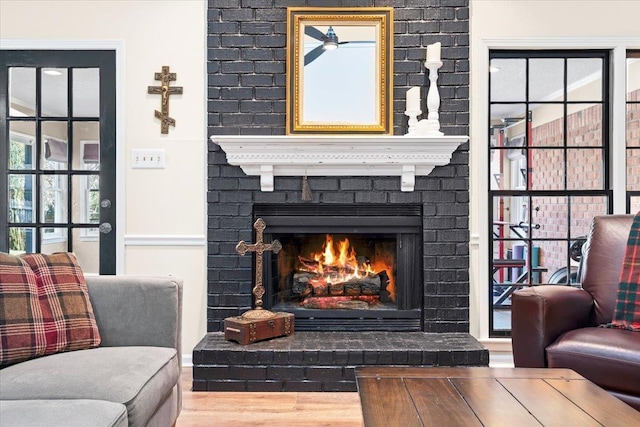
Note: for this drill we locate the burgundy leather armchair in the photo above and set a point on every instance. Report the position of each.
(556, 326)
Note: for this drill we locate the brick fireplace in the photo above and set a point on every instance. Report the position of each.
(438, 208)
(430, 323)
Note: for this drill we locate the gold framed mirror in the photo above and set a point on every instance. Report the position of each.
(340, 70)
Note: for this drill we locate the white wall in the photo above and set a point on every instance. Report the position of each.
(164, 210)
(537, 24)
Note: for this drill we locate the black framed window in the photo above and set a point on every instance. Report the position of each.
(633, 131)
(548, 167)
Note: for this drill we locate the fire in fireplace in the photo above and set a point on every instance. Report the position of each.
(345, 267)
(337, 272)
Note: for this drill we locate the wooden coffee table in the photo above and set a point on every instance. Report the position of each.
(396, 396)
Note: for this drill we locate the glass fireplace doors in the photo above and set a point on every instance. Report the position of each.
(361, 271)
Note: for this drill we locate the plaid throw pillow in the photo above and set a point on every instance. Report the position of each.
(21, 326)
(64, 300)
(627, 311)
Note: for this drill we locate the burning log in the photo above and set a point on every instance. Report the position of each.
(352, 305)
(336, 288)
(306, 283)
(320, 286)
(301, 284)
(309, 264)
(370, 285)
(352, 289)
(314, 266)
(327, 303)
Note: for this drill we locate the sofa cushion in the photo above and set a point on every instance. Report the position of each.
(21, 325)
(62, 413)
(608, 357)
(64, 300)
(141, 378)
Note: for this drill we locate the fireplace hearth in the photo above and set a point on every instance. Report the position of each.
(418, 317)
(345, 267)
(425, 230)
(312, 361)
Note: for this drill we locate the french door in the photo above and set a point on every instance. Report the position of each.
(58, 154)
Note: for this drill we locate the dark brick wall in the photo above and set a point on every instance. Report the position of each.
(246, 95)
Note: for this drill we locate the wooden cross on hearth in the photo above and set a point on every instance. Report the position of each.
(165, 77)
(259, 248)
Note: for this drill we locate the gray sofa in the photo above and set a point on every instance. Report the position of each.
(132, 379)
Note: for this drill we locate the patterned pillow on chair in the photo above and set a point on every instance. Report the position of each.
(626, 314)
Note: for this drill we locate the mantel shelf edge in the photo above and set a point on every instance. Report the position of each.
(338, 155)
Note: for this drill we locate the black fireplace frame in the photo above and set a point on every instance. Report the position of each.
(403, 221)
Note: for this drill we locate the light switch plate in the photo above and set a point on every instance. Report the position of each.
(152, 158)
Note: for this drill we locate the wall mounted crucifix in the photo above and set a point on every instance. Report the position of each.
(164, 90)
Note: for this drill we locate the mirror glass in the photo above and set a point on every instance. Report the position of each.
(339, 70)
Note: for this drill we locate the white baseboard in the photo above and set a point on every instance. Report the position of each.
(164, 240)
(500, 360)
(187, 360)
(500, 352)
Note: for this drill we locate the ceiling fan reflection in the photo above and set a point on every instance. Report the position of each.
(329, 42)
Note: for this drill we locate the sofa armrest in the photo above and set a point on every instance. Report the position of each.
(540, 314)
(137, 311)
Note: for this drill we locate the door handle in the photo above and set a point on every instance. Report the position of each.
(106, 203)
(105, 228)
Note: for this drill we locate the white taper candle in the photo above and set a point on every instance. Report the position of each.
(433, 52)
(413, 99)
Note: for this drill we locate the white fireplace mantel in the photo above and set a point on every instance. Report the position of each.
(338, 155)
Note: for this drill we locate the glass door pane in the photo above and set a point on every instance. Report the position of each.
(54, 96)
(86, 92)
(22, 91)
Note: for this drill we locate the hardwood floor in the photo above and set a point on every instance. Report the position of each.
(230, 409)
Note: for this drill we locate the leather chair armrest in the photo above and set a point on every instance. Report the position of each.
(540, 314)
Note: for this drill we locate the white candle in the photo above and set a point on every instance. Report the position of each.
(413, 99)
(433, 52)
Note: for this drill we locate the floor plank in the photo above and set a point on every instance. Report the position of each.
(229, 409)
